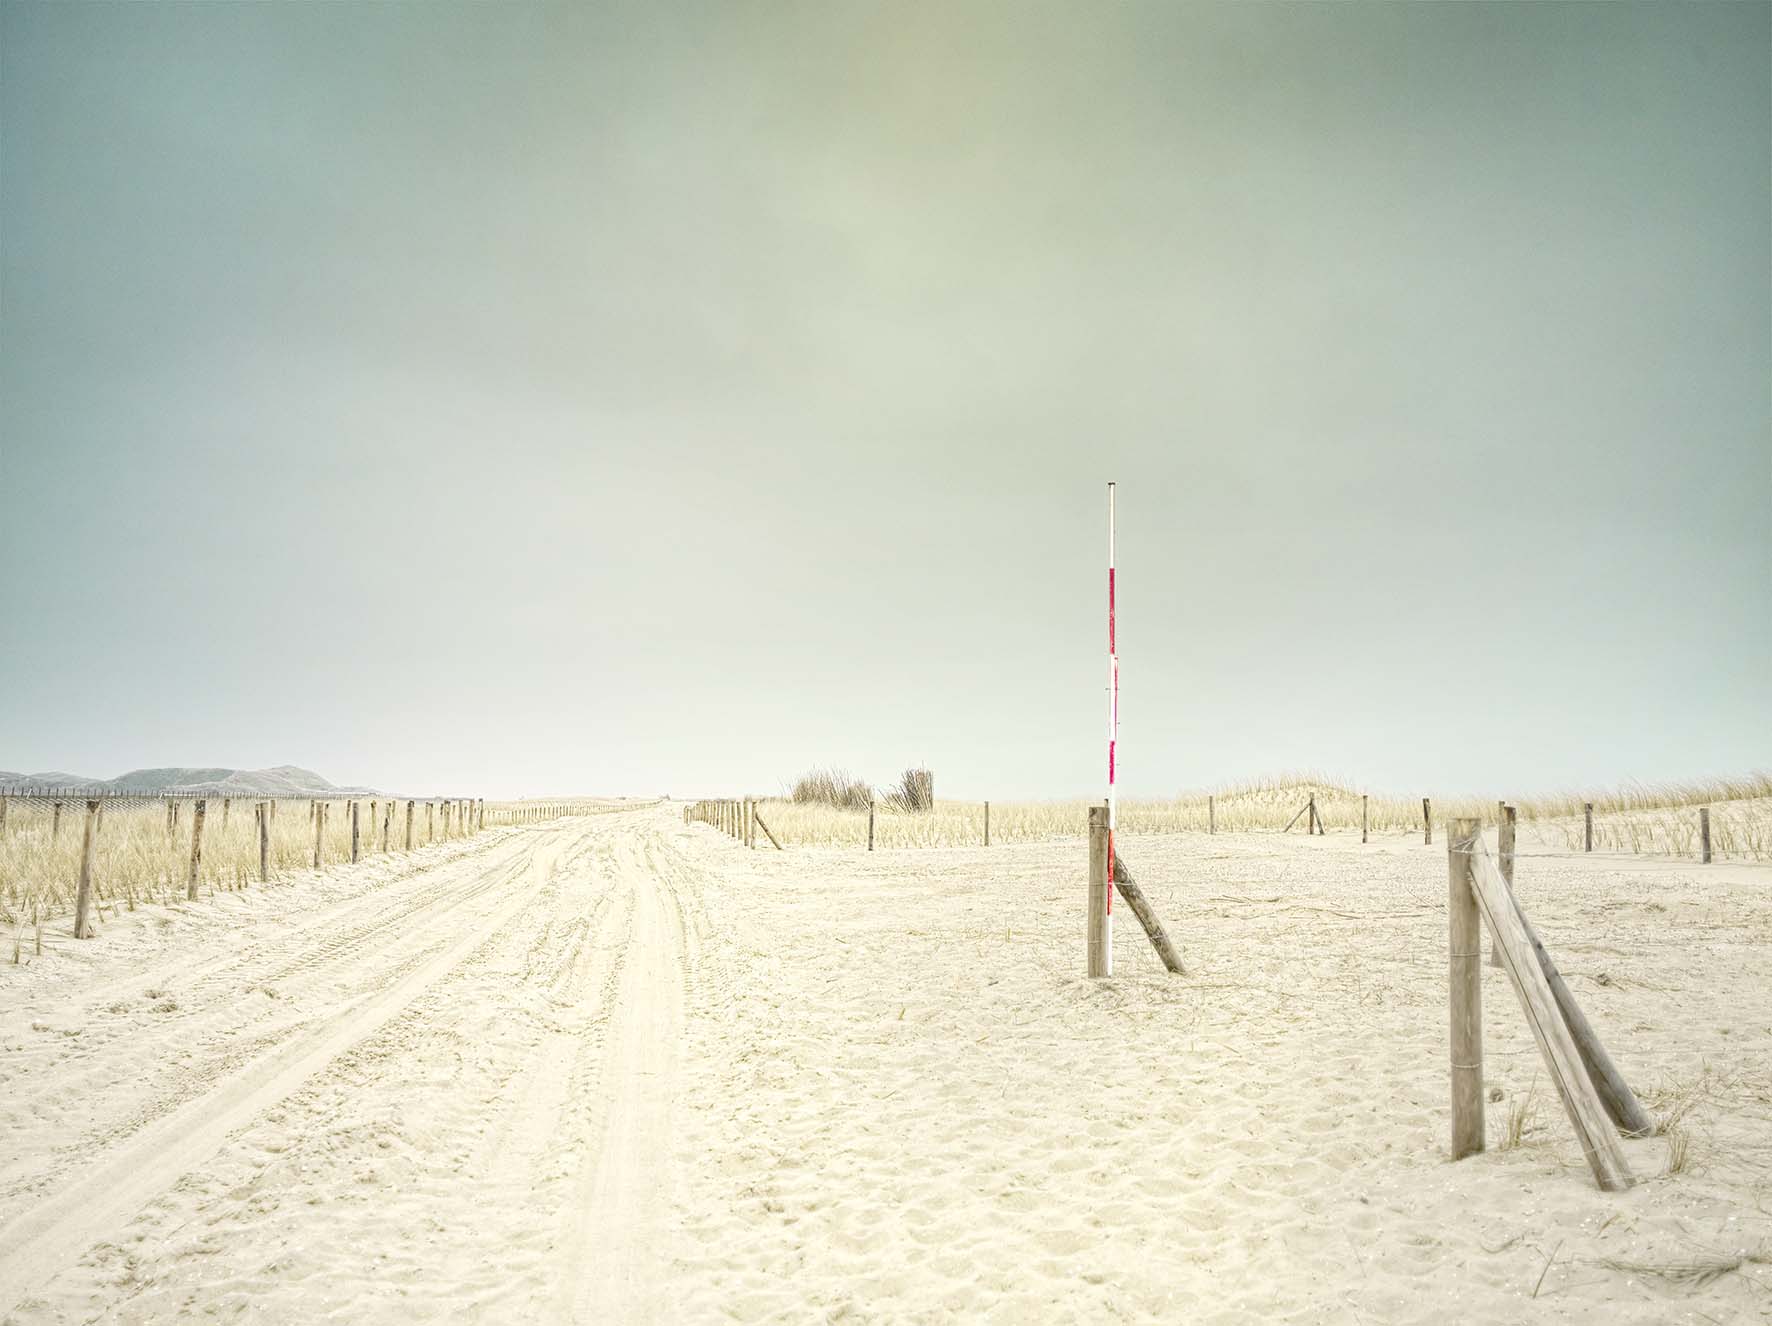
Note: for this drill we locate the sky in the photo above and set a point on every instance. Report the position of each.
(663, 399)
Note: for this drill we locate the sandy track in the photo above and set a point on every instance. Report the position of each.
(624, 1070)
(391, 1104)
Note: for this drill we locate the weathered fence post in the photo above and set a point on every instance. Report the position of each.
(1310, 823)
(430, 822)
(1464, 946)
(319, 832)
(409, 826)
(1427, 823)
(1504, 844)
(987, 824)
(264, 841)
(55, 821)
(1362, 817)
(2, 816)
(1587, 815)
(1704, 831)
(870, 824)
(226, 803)
(1098, 939)
(1211, 814)
(197, 813)
(355, 839)
(83, 892)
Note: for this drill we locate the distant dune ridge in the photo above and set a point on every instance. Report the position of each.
(285, 780)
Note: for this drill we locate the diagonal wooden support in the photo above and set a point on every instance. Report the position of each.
(1599, 1143)
(1147, 916)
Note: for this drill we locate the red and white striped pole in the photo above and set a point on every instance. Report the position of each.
(1113, 733)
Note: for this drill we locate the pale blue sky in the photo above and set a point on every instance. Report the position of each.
(668, 397)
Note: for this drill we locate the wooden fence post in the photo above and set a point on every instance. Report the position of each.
(226, 803)
(264, 841)
(356, 841)
(83, 892)
(1465, 944)
(870, 824)
(1587, 814)
(1211, 814)
(1098, 938)
(55, 821)
(1310, 824)
(1504, 844)
(1704, 831)
(1427, 823)
(319, 829)
(1362, 817)
(2, 816)
(409, 826)
(197, 813)
(987, 824)
(430, 822)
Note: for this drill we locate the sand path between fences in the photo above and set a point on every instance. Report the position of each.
(623, 1069)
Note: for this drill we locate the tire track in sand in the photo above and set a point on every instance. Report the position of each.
(35, 1245)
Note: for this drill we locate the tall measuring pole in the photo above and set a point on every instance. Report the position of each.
(1113, 734)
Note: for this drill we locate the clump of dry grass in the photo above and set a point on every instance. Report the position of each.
(913, 794)
(1522, 1118)
(833, 787)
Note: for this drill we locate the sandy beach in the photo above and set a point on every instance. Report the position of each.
(619, 1068)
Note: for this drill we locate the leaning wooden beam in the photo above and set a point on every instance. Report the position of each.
(1294, 820)
(765, 829)
(1147, 916)
(1582, 1103)
(1615, 1094)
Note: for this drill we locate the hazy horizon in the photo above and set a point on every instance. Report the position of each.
(666, 399)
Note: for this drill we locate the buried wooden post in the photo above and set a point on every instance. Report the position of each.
(1211, 815)
(356, 840)
(1504, 849)
(55, 821)
(387, 822)
(264, 841)
(83, 891)
(1427, 824)
(1098, 935)
(1587, 815)
(409, 826)
(987, 824)
(1555, 1037)
(319, 829)
(1310, 825)
(226, 803)
(1362, 817)
(765, 829)
(1464, 933)
(430, 822)
(1127, 888)
(870, 824)
(197, 813)
(1704, 831)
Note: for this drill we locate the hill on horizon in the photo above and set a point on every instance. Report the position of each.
(283, 780)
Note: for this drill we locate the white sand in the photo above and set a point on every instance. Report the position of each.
(621, 1069)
